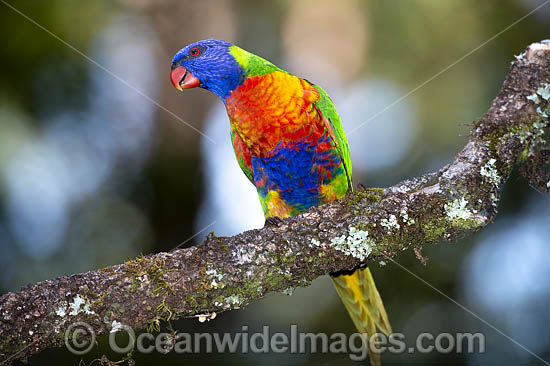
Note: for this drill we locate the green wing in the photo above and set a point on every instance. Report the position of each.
(325, 105)
(242, 154)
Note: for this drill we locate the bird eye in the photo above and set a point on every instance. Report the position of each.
(194, 51)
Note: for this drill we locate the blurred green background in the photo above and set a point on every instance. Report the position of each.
(92, 172)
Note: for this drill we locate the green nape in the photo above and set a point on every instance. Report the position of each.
(252, 65)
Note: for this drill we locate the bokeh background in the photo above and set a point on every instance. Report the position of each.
(98, 161)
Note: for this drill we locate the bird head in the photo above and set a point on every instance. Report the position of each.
(208, 64)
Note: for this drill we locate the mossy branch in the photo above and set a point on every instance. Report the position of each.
(225, 273)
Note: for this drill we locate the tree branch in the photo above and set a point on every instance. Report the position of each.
(225, 273)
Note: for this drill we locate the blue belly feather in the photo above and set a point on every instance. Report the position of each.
(297, 172)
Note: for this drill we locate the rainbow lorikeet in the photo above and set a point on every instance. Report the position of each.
(290, 143)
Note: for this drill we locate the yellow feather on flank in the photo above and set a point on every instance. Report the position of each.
(363, 302)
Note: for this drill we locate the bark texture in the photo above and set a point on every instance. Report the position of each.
(225, 273)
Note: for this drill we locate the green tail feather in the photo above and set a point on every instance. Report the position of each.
(364, 305)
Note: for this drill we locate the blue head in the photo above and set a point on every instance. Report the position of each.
(207, 64)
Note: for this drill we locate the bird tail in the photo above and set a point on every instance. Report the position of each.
(364, 305)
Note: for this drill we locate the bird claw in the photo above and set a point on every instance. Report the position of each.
(361, 186)
(273, 221)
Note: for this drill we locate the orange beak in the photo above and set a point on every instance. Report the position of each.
(182, 79)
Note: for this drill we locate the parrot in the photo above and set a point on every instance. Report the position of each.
(290, 143)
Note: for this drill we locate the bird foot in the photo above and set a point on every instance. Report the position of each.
(273, 221)
(361, 186)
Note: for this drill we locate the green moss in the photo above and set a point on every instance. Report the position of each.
(134, 286)
(465, 224)
(378, 190)
(202, 301)
(434, 230)
(162, 307)
(94, 299)
(396, 241)
(11, 348)
(525, 129)
(211, 236)
(191, 301)
(154, 325)
(369, 194)
(97, 304)
(153, 267)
